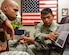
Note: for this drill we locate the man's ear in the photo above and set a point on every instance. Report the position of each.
(5, 8)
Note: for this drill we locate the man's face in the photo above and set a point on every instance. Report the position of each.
(47, 19)
(11, 12)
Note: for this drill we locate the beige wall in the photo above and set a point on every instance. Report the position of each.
(1, 2)
(31, 29)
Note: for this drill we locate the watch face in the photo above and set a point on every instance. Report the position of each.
(64, 11)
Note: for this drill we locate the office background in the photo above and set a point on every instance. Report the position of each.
(61, 5)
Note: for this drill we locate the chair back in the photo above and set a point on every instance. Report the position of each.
(64, 20)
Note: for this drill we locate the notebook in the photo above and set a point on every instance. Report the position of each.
(60, 41)
(63, 31)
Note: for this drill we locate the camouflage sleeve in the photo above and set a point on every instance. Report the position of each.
(2, 17)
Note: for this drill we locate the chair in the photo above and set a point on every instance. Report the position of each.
(64, 20)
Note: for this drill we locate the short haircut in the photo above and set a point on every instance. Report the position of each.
(46, 11)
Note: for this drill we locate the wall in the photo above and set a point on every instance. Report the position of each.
(31, 29)
(1, 2)
(62, 4)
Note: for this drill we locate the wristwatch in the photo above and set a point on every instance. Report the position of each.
(2, 17)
